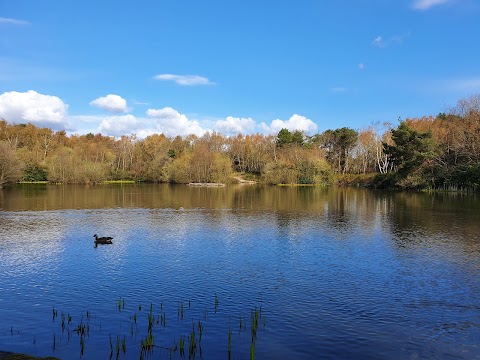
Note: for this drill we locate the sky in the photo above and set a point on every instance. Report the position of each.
(183, 67)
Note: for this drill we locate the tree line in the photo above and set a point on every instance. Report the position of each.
(440, 151)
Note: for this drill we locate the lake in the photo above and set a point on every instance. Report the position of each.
(239, 272)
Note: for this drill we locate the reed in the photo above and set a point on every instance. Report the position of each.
(182, 345)
(192, 343)
(254, 323)
(181, 311)
(82, 329)
(63, 322)
(162, 319)
(117, 347)
(150, 322)
(121, 304)
(148, 342)
(82, 346)
(200, 331)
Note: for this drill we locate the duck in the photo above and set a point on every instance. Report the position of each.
(102, 240)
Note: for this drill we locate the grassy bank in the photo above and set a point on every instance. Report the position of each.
(357, 180)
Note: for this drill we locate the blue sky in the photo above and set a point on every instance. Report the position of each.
(180, 67)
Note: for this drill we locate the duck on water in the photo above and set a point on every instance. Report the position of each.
(102, 240)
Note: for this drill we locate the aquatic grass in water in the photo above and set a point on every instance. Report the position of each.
(192, 343)
(54, 314)
(148, 331)
(200, 330)
(148, 342)
(120, 304)
(181, 311)
(182, 346)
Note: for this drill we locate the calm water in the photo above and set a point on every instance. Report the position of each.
(333, 273)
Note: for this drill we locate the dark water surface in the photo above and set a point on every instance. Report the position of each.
(333, 273)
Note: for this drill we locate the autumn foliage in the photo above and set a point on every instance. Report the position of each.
(440, 151)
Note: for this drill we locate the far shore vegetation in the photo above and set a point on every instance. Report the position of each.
(436, 152)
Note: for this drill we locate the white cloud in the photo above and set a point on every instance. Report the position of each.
(119, 125)
(50, 111)
(41, 110)
(185, 80)
(234, 125)
(296, 122)
(112, 103)
(171, 123)
(13, 21)
(427, 4)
